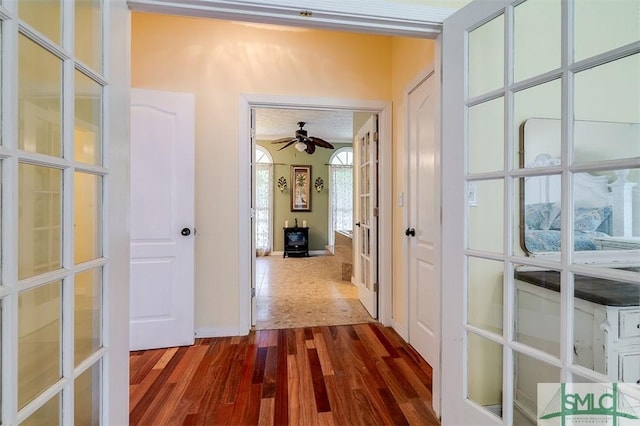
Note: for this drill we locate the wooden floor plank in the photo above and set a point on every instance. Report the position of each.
(137, 392)
(138, 412)
(306, 399)
(323, 354)
(270, 373)
(281, 414)
(397, 382)
(382, 338)
(319, 388)
(339, 375)
(295, 404)
(147, 360)
(342, 403)
(170, 404)
(407, 374)
(186, 367)
(267, 407)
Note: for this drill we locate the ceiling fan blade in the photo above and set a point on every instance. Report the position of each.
(291, 142)
(311, 148)
(283, 140)
(321, 142)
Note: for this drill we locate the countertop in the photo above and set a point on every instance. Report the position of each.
(596, 290)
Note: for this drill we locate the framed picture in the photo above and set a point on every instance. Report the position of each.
(300, 188)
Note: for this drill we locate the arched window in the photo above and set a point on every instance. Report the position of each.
(264, 201)
(340, 191)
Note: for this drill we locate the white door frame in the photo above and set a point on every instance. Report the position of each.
(364, 16)
(245, 149)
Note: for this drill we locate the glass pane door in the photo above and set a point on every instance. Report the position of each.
(53, 165)
(551, 216)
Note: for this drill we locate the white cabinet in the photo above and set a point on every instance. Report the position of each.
(630, 367)
(606, 339)
(603, 335)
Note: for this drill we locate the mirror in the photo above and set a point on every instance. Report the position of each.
(606, 203)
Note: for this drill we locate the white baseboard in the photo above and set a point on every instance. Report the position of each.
(400, 330)
(202, 332)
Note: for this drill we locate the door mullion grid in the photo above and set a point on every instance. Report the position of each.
(373, 220)
(567, 236)
(105, 207)
(508, 222)
(68, 188)
(9, 216)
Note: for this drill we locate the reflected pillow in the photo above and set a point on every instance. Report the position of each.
(540, 216)
(586, 219)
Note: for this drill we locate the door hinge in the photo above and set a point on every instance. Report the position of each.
(375, 212)
(253, 292)
(375, 136)
(375, 287)
(252, 213)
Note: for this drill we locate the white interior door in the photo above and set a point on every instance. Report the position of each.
(423, 222)
(366, 183)
(162, 219)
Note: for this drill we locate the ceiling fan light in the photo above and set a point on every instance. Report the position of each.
(301, 146)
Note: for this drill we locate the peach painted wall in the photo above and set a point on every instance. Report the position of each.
(409, 58)
(218, 61)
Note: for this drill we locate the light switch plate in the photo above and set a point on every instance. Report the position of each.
(472, 194)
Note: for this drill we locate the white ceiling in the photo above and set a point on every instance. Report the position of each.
(330, 125)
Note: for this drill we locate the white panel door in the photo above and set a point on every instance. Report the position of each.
(423, 231)
(366, 176)
(162, 219)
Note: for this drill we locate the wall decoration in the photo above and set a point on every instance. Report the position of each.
(319, 184)
(300, 192)
(282, 183)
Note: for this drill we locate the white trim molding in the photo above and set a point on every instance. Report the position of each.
(402, 332)
(370, 16)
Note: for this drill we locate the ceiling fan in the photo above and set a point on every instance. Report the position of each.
(303, 143)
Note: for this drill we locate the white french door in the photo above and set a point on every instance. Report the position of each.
(63, 268)
(506, 63)
(366, 229)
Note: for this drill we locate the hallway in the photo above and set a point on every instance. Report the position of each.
(363, 374)
(304, 292)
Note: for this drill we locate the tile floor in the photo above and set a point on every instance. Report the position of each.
(303, 292)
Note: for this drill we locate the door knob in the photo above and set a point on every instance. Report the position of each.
(410, 231)
(185, 232)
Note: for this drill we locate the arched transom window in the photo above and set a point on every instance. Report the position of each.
(340, 191)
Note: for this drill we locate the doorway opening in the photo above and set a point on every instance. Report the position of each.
(308, 280)
(320, 251)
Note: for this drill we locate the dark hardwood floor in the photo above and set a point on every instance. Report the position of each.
(339, 375)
